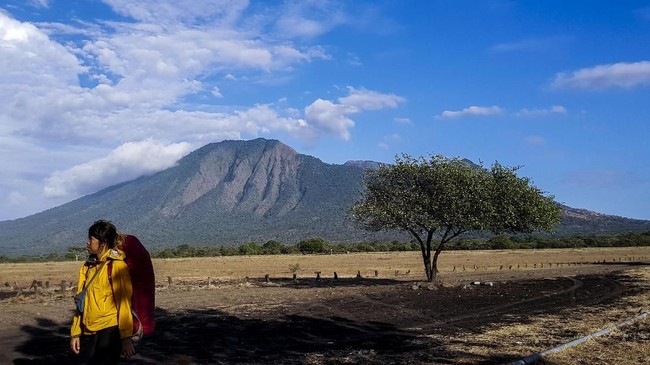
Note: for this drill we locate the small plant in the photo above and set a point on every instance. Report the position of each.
(294, 268)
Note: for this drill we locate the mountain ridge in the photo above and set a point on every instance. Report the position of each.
(232, 192)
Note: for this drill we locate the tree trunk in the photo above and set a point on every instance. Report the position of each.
(425, 249)
(426, 258)
(434, 271)
(428, 269)
(429, 263)
(434, 262)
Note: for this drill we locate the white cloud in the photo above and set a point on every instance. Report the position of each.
(390, 141)
(471, 111)
(98, 97)
(126, 162)
(555, 109)
(402, 120)
(31, 61)
(332, 118)
(308, 19)
(364, 99)
(354, 60)
(39, 3)
(160, 11)
(618, 75)
(531, 45)
(142, 71)
(16, 198)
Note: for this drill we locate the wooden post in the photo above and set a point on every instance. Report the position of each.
(317, 275)
(294, 277)
(376, 273)
(266, 278)
(359, 274)
(169, 280)
(336, 276)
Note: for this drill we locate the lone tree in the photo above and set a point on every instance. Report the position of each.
(446, 197)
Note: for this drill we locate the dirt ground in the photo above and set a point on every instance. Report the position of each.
(382, 319)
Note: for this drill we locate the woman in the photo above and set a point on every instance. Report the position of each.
(102, 329)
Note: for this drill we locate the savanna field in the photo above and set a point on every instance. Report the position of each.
(488, 307)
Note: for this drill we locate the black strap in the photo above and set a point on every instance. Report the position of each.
(86, 285)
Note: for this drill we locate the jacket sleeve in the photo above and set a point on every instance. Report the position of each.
(75, 329)
(122, 290)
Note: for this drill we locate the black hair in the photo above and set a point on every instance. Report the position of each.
(104, 231)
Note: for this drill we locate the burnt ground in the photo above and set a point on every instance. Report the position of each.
(344, 321)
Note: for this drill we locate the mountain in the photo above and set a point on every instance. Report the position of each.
(224, 193)
(233, 192)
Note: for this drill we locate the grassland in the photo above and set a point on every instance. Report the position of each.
(539, 299)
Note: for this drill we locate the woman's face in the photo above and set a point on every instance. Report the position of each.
(93, 246)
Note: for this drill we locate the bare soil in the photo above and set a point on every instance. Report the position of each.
(386, 316)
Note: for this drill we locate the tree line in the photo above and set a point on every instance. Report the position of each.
(321, 246)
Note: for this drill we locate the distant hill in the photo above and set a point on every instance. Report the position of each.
(233, 192)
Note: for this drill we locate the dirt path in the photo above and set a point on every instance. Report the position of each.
(323, 322)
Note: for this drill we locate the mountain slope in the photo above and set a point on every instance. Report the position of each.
(229, 193)
(224, 193)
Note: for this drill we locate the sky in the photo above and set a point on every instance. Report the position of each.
(98, 92)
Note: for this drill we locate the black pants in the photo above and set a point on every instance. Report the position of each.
(104, 347)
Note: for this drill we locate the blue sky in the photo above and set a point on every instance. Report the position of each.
(97, 92)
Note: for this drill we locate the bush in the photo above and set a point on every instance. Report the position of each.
(250, 248)
(272, 248)
(501, 243)
(313, 245)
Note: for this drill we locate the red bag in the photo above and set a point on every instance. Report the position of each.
(143, 281)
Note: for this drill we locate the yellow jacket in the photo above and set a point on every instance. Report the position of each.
(103, 304)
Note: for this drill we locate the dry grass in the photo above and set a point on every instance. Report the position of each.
(625, 345)
(628, 345)
(385, 264)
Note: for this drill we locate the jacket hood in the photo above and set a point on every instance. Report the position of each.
(113, 254)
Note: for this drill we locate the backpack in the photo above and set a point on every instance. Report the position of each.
(143, 281)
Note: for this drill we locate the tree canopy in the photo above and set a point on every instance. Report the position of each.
(446, 197)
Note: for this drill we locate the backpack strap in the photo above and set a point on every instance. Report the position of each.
(86, 285)
(110, 273)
